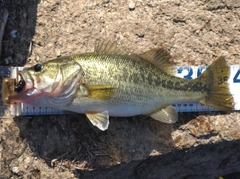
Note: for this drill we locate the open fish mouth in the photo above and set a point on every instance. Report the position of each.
(21, 84)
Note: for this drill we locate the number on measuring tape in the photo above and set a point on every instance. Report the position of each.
(222, 80)
(189, 70)
(201, 70)
(236, 78)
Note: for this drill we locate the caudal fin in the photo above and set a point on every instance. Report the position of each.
(216, 79)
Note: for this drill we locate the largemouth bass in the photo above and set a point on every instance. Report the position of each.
(113, 82)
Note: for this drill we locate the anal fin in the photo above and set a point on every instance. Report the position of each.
(166, 115)
(99, 119)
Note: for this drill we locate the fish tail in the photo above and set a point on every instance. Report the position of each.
(215, 78)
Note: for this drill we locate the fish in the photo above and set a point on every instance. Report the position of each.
(113, 81)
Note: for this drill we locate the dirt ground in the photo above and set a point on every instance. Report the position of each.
(67, 146)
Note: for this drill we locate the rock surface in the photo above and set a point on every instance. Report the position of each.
(200, 145)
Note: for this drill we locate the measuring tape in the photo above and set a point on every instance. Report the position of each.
(189, 72)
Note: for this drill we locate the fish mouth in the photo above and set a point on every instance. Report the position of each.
(20, 85)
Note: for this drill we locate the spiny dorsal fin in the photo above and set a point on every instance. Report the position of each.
(111, 48)
(160, 58)
(99, 91)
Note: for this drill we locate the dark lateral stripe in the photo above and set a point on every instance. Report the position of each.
(182, 85)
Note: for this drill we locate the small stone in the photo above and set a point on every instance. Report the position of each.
(15, 170)
(13, 33)
(58, 52)
(25, 14)
(154, 153)
(131, 5)
(8, 60)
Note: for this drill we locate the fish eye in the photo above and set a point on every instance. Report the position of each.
(37, 67)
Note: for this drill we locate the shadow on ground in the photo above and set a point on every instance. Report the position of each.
(213, 160)
(19, 31)
(72, 138)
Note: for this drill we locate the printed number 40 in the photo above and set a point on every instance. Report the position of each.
(236, 78)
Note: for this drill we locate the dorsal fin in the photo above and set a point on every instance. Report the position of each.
(160, 58)
(111, 48)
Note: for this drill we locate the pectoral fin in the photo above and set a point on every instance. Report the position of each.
(98, 91)
(166, 115)
(99, 119)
